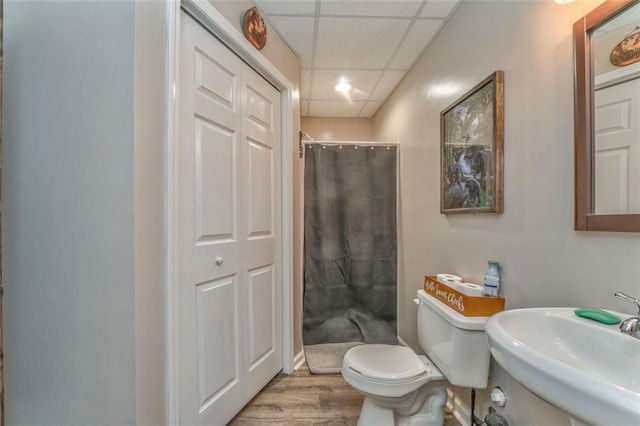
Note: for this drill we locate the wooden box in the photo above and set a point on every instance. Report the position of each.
(469, 306)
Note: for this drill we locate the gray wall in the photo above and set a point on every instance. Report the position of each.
(73, 283)
(545, 262)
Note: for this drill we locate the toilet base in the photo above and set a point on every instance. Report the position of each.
(430, 413)
(374, 415)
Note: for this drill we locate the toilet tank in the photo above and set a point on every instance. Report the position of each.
(455, 343)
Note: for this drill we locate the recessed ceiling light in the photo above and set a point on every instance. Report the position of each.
(343, 86)
(564, 1)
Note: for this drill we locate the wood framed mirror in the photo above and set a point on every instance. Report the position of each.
(607, 182)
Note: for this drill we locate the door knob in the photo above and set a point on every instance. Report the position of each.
(219, 260)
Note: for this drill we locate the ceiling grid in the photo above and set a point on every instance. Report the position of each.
(370, 43)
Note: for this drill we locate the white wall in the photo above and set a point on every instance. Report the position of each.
(545, 262)
(149, 152)
(84, 322)
(338, 129)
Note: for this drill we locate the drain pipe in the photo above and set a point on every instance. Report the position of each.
(491, 419)
(473, 418)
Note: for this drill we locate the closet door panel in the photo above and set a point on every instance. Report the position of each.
(230, 289)
(218, 371)
(215, 180)
(261, 288)
(260, 222)
(211, 318)
(262, 254)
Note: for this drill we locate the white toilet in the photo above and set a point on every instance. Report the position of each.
(402, 388)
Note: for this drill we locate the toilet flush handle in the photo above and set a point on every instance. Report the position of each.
(416, 301)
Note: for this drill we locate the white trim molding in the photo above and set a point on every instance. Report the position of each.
(171, 212)
(617, 76)
(298, 361)
(401, 342)
(222, 29)
(460, 411)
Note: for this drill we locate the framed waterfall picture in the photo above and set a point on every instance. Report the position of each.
(472, 133)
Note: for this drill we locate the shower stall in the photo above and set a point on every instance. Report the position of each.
(350, 247)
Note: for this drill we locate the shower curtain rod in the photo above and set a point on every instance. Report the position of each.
(358, 143)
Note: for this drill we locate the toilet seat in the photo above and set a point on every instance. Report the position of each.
(387, 370)
(384, 363)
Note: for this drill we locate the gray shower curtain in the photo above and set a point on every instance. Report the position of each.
(350, 247)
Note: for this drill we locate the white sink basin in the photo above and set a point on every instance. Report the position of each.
(588, 369)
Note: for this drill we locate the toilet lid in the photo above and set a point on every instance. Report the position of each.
(384, 362)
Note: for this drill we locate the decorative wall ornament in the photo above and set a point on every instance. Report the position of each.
(472, 133)
(255, 30)
(627, 52)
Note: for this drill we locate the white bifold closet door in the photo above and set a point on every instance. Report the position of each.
(230, 316)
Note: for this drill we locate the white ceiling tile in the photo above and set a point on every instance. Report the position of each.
(370, 109)
(386, 8)
(324, 82)
(387, 83)
(298, 33)
(358, 43)
(439, 8)
(305, 75)
(358, 39)
(286, 7)
(334, 108)
(419, 36)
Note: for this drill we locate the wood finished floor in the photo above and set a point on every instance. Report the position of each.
(306, 399)
(303, 399)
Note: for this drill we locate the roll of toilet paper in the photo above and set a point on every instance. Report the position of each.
(448, 277)
(450, 283)
(470, 289)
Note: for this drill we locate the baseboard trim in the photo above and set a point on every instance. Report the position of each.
(298, 360)
(460, 411)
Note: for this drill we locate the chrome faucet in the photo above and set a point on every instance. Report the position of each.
(630, 326)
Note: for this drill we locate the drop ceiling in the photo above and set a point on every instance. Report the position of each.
(370, 43)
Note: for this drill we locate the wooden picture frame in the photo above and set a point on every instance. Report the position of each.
(471, 150)
(585, 216)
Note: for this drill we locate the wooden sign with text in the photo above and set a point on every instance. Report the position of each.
(469, 306)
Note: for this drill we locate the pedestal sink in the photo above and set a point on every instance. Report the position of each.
(588, 369)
